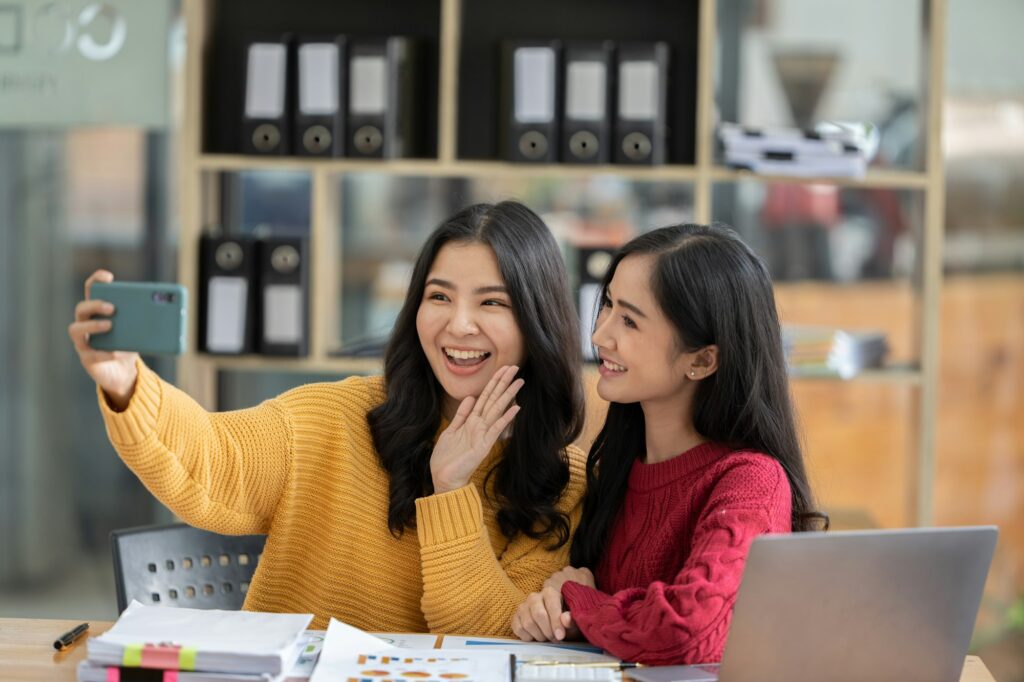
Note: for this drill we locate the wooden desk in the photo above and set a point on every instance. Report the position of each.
(27, 654)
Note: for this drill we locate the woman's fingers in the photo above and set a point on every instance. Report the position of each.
(98, 276)
(87, 309)
(80, 331)
(484, 401)
(553, 605)
(501, 401)
(465, 409)
(498, 427)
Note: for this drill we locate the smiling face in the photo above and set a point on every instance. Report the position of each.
(638, 346)
(465, 321)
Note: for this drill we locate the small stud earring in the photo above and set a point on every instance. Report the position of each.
(692, 373)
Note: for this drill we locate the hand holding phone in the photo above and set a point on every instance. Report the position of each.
(148, 317)
(113, 371)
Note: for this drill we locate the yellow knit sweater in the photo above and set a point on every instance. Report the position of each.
(302, 468)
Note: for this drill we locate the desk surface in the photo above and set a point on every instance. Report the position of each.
(27, 654)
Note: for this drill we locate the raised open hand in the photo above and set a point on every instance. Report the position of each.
(476, 426)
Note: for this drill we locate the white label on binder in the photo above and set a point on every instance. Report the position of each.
(282, 313)
(318, 78)
(369, 85)
(534, 75)
(265, 80)
(638, 90)
(225, 314)
(585, 91)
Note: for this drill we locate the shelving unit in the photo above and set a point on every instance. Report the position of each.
(203, 161)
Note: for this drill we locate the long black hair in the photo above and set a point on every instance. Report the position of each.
(533, 470)
(714, 290)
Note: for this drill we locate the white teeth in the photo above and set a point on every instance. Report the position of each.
(464, 354)
(612, 366)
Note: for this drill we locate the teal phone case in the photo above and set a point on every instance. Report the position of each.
(149, 317)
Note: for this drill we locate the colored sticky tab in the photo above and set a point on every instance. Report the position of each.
(113, 674)
(187, 659)
(170, 676)
(161, 656)
(132, 657)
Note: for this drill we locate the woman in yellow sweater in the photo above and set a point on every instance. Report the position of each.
(434, 498)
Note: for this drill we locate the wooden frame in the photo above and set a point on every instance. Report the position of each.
(200, 195)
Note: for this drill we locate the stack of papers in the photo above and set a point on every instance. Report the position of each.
(831, 149)
(829, 351)
(200, 645)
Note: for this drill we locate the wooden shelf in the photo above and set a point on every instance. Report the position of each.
(874, 179)
(432, 168)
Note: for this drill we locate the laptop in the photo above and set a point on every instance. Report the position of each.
(857, 605)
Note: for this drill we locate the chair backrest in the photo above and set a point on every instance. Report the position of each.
(178, 565)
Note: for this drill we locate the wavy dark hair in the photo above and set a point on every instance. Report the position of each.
(533, 471)
(714, 290)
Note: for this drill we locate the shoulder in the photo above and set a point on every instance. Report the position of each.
(354, 396)
(749, 476)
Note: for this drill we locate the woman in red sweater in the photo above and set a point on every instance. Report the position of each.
(699, 453)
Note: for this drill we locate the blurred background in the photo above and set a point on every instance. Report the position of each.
(101, 192)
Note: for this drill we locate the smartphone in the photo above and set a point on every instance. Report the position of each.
(149, 317)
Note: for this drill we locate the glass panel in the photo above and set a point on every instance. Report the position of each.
(385, 220)
(842, 257)
(797, 62)
(264, 203)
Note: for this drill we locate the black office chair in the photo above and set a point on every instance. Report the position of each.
(178, 565)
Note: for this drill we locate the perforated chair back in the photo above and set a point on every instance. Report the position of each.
(178, 565)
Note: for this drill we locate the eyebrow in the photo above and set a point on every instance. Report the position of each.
(626, 304)
(445, 284)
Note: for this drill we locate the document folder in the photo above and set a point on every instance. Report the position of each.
(320, 109)
(265, 125)
(384, 91)
(641, 116)
(586, 127)
(530, 102)
(284, 296)
(227, 275)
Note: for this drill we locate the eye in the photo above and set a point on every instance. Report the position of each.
(496, 302)
(628, 321)
(437, 296)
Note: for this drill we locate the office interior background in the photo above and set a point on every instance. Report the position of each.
(90, 192)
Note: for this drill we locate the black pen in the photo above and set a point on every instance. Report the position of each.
(69, 637)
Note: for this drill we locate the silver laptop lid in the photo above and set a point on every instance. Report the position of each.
(858, 605)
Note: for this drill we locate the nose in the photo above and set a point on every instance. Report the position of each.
(601, 338)
(463, 322)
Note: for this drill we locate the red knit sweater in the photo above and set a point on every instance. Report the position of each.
(670, 573)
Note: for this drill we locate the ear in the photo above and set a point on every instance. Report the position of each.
(704, 363)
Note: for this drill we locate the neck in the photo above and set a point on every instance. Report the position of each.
(669, 429)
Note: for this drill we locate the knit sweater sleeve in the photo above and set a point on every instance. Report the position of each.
(686, 621)
(224, 472)
(467, 588)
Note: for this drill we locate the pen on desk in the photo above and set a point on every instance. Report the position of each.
(69, 637)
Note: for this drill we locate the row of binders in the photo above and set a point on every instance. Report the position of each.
(831, 149)
(585, 102)
(254, 295)
(337, 96)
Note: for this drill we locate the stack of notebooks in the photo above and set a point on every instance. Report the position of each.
(831, 149)
(191, 645)
(828, 351)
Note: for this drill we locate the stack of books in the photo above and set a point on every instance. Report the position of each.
(828, 351)
(195, 645)
(831, 149)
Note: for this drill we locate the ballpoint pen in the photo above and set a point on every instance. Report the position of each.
(69, 637)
